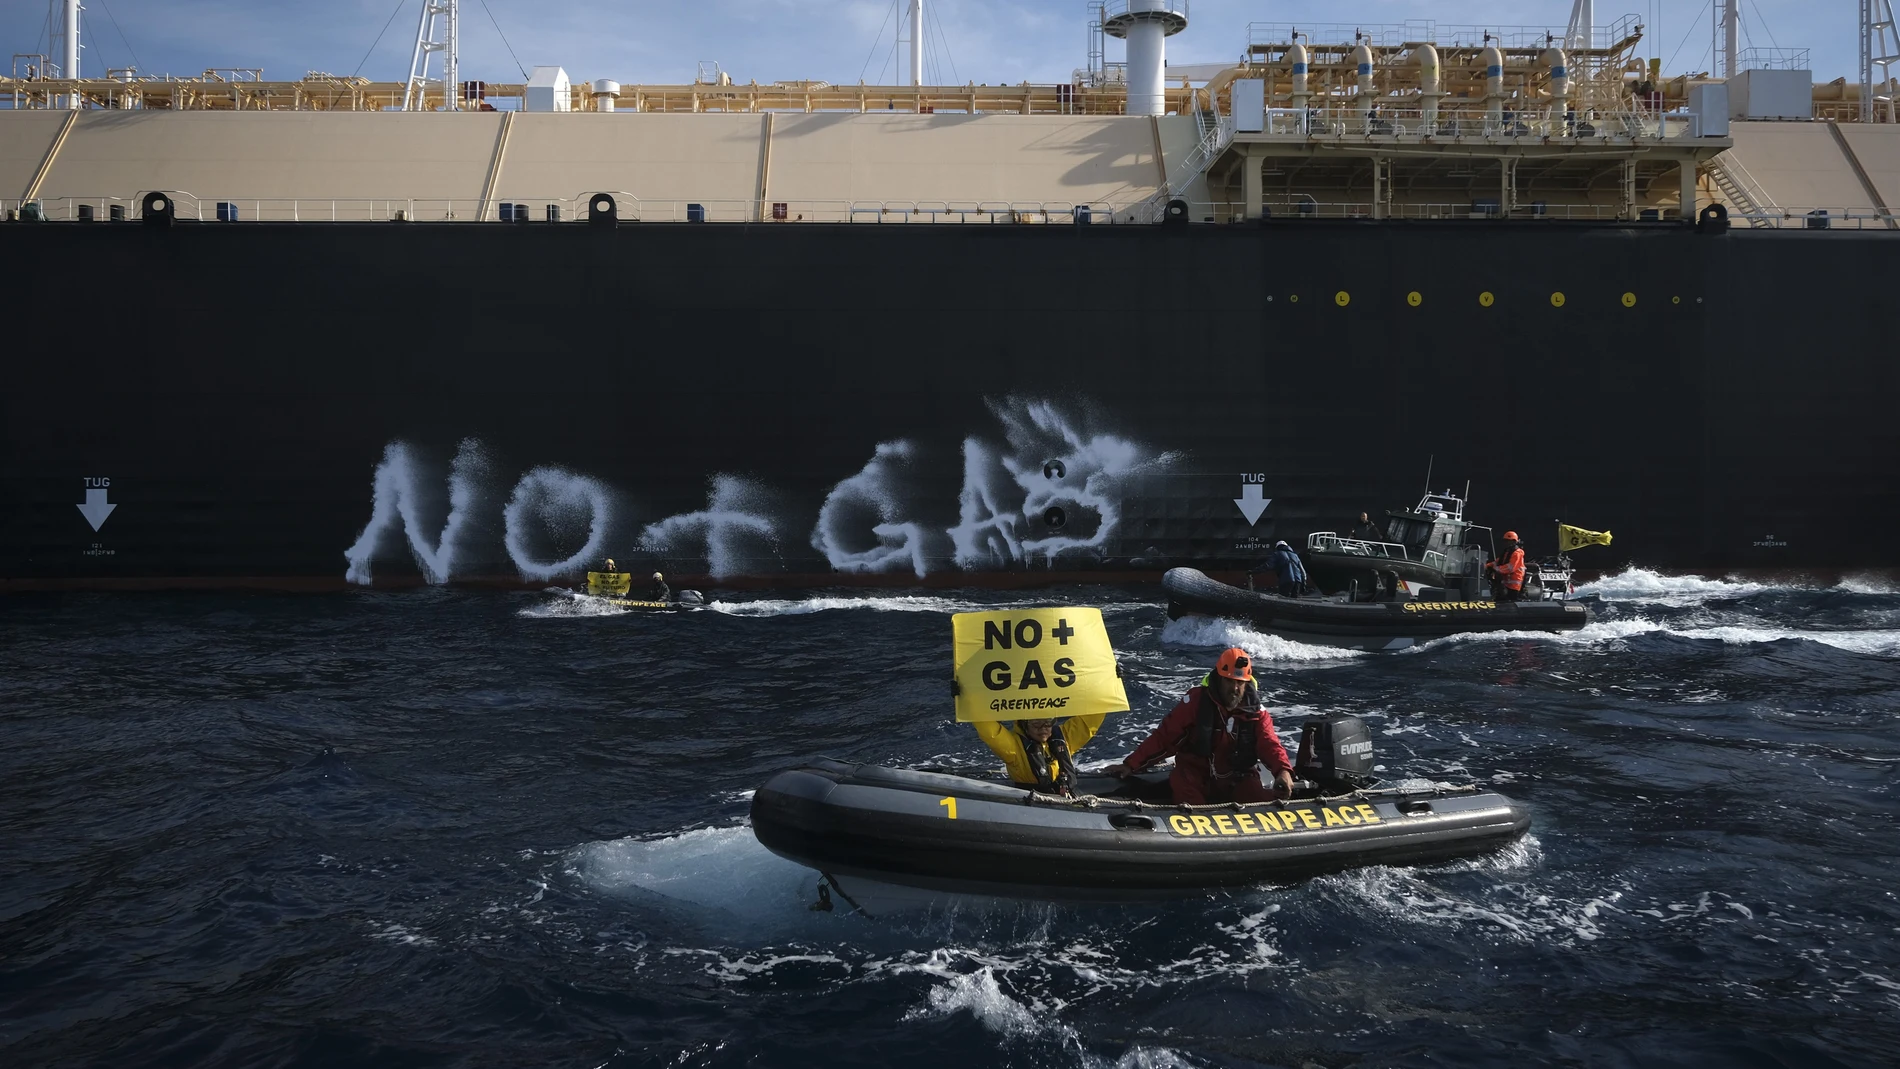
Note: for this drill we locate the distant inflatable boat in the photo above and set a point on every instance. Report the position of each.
(616, 588)
(1366, 625)
(885, 836)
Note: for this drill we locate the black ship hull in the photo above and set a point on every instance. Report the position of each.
(331, 404)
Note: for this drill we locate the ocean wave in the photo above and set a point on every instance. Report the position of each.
(805, 606)
(1642, 586)
(1880, 643)
(719, 871)
(565, 604)
(1215, 633)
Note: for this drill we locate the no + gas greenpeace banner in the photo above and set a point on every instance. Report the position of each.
(1031, 664)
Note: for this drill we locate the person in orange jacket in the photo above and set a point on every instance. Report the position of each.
(1220, 736)
(1507, 572)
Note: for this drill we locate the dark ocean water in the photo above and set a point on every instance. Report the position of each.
(477, 829)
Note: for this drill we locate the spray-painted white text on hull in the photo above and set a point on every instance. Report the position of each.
(1047, 492)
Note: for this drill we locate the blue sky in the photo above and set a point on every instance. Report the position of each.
(835, 40)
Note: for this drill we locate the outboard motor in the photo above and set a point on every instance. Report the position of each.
(1335, 754)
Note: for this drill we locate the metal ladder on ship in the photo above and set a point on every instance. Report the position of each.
(1739, 188)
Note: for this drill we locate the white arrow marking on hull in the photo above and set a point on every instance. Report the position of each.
(96, 508)
(1251, 503)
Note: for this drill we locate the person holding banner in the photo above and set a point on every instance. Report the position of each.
(1036, 755)
(1219, 736)
(1018, 670)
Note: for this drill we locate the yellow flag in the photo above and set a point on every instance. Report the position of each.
(1569, 538)
(1031, 664)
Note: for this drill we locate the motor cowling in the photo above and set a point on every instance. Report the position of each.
(1335, 754)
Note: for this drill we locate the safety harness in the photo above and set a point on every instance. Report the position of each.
(1059, 779)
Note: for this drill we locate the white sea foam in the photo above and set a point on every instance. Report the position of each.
(1867, 584)
(397, 933)
(1605, 632)
(1642, 586)
(802, 606)
(1516, 911)
(723, 871)
(1214, 633)
(569, 604)
(979, 993)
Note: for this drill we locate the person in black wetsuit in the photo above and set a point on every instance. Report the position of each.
(657, 590)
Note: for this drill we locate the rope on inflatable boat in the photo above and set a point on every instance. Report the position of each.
(1091, 801)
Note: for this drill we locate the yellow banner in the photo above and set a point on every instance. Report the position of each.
(614, 584)
(1032, 664)
(1569, 538)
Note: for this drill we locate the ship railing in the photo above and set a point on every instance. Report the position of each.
(247, 209)
(1333, 542)
(230, 208)
(1303, 206)
(1471, 121)
(1816, 217)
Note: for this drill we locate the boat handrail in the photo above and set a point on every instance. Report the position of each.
(1332, 542)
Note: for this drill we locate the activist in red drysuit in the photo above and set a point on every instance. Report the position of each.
(1218, 735)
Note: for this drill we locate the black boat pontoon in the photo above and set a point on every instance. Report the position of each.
(1393, 624)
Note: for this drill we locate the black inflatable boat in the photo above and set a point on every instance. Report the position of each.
(1362, 625)
(871, 831)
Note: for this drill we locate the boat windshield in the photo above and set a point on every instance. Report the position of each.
(1408, 532)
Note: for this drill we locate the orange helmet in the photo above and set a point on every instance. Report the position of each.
(1234, 664)
(1510, 536)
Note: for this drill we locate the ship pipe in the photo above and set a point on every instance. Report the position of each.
(1492, 60)
(1362, 63)
(1559, 87)
(1428, 86)
(1300, 62)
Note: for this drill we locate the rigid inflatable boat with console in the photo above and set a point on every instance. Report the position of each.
(883, 838)
(1363, 625)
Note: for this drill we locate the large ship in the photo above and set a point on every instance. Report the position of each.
(335, 332)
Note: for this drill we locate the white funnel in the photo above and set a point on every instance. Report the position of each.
(1145, 24)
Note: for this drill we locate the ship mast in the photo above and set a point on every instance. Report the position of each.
(1582, 25)
(916, 42)
(1726, 26)
(439, 17)
(64, 19)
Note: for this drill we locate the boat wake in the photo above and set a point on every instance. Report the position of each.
(1208, 632)
(721, 872)
(562, 604)
(806, 606)
(1642, 586)
(1875, 643)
